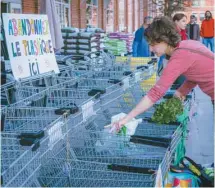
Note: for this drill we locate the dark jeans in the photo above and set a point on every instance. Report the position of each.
(209, 42)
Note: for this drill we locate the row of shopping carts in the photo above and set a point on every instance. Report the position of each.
(52, 130)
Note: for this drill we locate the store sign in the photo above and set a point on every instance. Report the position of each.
(29, 44)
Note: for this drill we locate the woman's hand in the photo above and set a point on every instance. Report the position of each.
(141, 107)
(116, 126)
(179, 95)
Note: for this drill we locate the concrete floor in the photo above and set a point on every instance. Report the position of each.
(200, 142)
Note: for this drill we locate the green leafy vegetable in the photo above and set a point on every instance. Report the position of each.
(167, 111)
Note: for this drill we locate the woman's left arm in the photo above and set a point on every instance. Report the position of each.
(175, 67)
(186, 87)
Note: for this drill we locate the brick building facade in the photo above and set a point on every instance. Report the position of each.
(199, 8)
(110, 15)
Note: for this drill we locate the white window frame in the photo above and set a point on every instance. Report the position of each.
(130, 17)
(93, 6)
(200, 3)
(61, 6)
(121, 19)
(106, 10)
(136, 12)
(15, 6)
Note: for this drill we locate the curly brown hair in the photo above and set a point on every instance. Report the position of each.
(162, 29)
(178, 17)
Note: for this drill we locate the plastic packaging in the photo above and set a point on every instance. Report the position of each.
(130, 126)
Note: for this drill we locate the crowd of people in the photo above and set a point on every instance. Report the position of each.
(188, 31)
(178, 43)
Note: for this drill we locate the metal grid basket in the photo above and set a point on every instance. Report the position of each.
(18, 164)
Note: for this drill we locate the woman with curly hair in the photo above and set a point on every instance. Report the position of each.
(189, 58)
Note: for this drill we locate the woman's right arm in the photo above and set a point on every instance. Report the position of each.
(173, 70)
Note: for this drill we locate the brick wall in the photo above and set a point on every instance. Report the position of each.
(75, 13)
(30, 6)
(126, 15)
(101, 14)
(78, 13)
(133, 15)
(208, 5)
(116, 15)
(141, 12)
(82, 10)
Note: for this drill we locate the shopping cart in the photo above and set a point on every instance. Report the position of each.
(27, 134)
(12, 92)
(95, 61)
(136, 62)
(70, 165)
(82, 162)
(18, 165)
(60, 171)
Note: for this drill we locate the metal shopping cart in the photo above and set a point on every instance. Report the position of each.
(17, 164)
(75, 162)
(80, 161)
(97, 61)
(62, 171)
(28, 133)
(10, 92)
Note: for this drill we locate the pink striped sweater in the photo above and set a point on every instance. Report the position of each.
(197, 68)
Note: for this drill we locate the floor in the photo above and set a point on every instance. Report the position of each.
(200, 142)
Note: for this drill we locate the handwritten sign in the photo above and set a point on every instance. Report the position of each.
(29, 44)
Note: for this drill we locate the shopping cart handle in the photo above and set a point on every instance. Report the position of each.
(39, 134)
(93, 92)
(168, 96)
(126, 73)
(176, 168)
(155, 59)
(36, 145)
(115, 81)
(71, 110)
(81, 68)
(149, 120)
(61, 62)
(42, 85)
(132, 169)
(160, 139)
(151, 62)
(142, 67)
(149, 142)
(41, 101)
(27, 141)
(2, 121)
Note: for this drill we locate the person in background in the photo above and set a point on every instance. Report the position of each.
(140, 45)
(180, 20)
(207, 30)
(192, 29)
(189, 58)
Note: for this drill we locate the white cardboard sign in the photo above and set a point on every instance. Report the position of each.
(29, 44)
(55, 133)
(87, 110)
